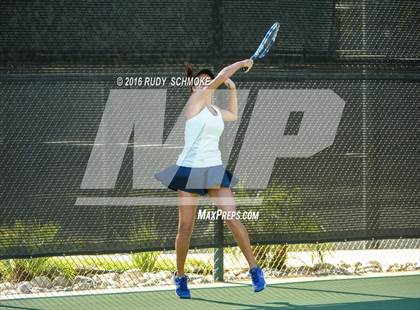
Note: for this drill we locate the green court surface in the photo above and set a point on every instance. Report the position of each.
(392, 292)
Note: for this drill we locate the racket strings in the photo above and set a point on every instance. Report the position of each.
(267, 41)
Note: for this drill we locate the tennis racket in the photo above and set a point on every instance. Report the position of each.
(266, 43)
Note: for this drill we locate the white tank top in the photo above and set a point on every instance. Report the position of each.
(202, 133)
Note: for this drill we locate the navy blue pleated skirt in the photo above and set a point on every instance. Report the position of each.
(196, 180)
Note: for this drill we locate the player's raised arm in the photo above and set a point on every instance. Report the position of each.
(228, 71)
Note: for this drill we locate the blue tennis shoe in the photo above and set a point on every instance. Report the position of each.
(257, 276)
(181, 286)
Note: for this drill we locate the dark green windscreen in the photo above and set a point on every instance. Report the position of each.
(59, 62)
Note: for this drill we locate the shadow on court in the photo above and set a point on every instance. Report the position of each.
(358, 294)
(405, 303)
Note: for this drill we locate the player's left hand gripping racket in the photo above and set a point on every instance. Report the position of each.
(266, 43)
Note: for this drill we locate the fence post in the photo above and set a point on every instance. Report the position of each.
(217, 36)
(218, 268)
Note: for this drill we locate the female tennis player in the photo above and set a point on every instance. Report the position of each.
(199, 169)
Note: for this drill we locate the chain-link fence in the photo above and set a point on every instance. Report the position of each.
(50, 276)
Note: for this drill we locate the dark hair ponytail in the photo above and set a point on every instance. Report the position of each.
(189, 68)
(190, 73)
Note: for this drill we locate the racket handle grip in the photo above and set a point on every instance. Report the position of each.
(253, 58)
